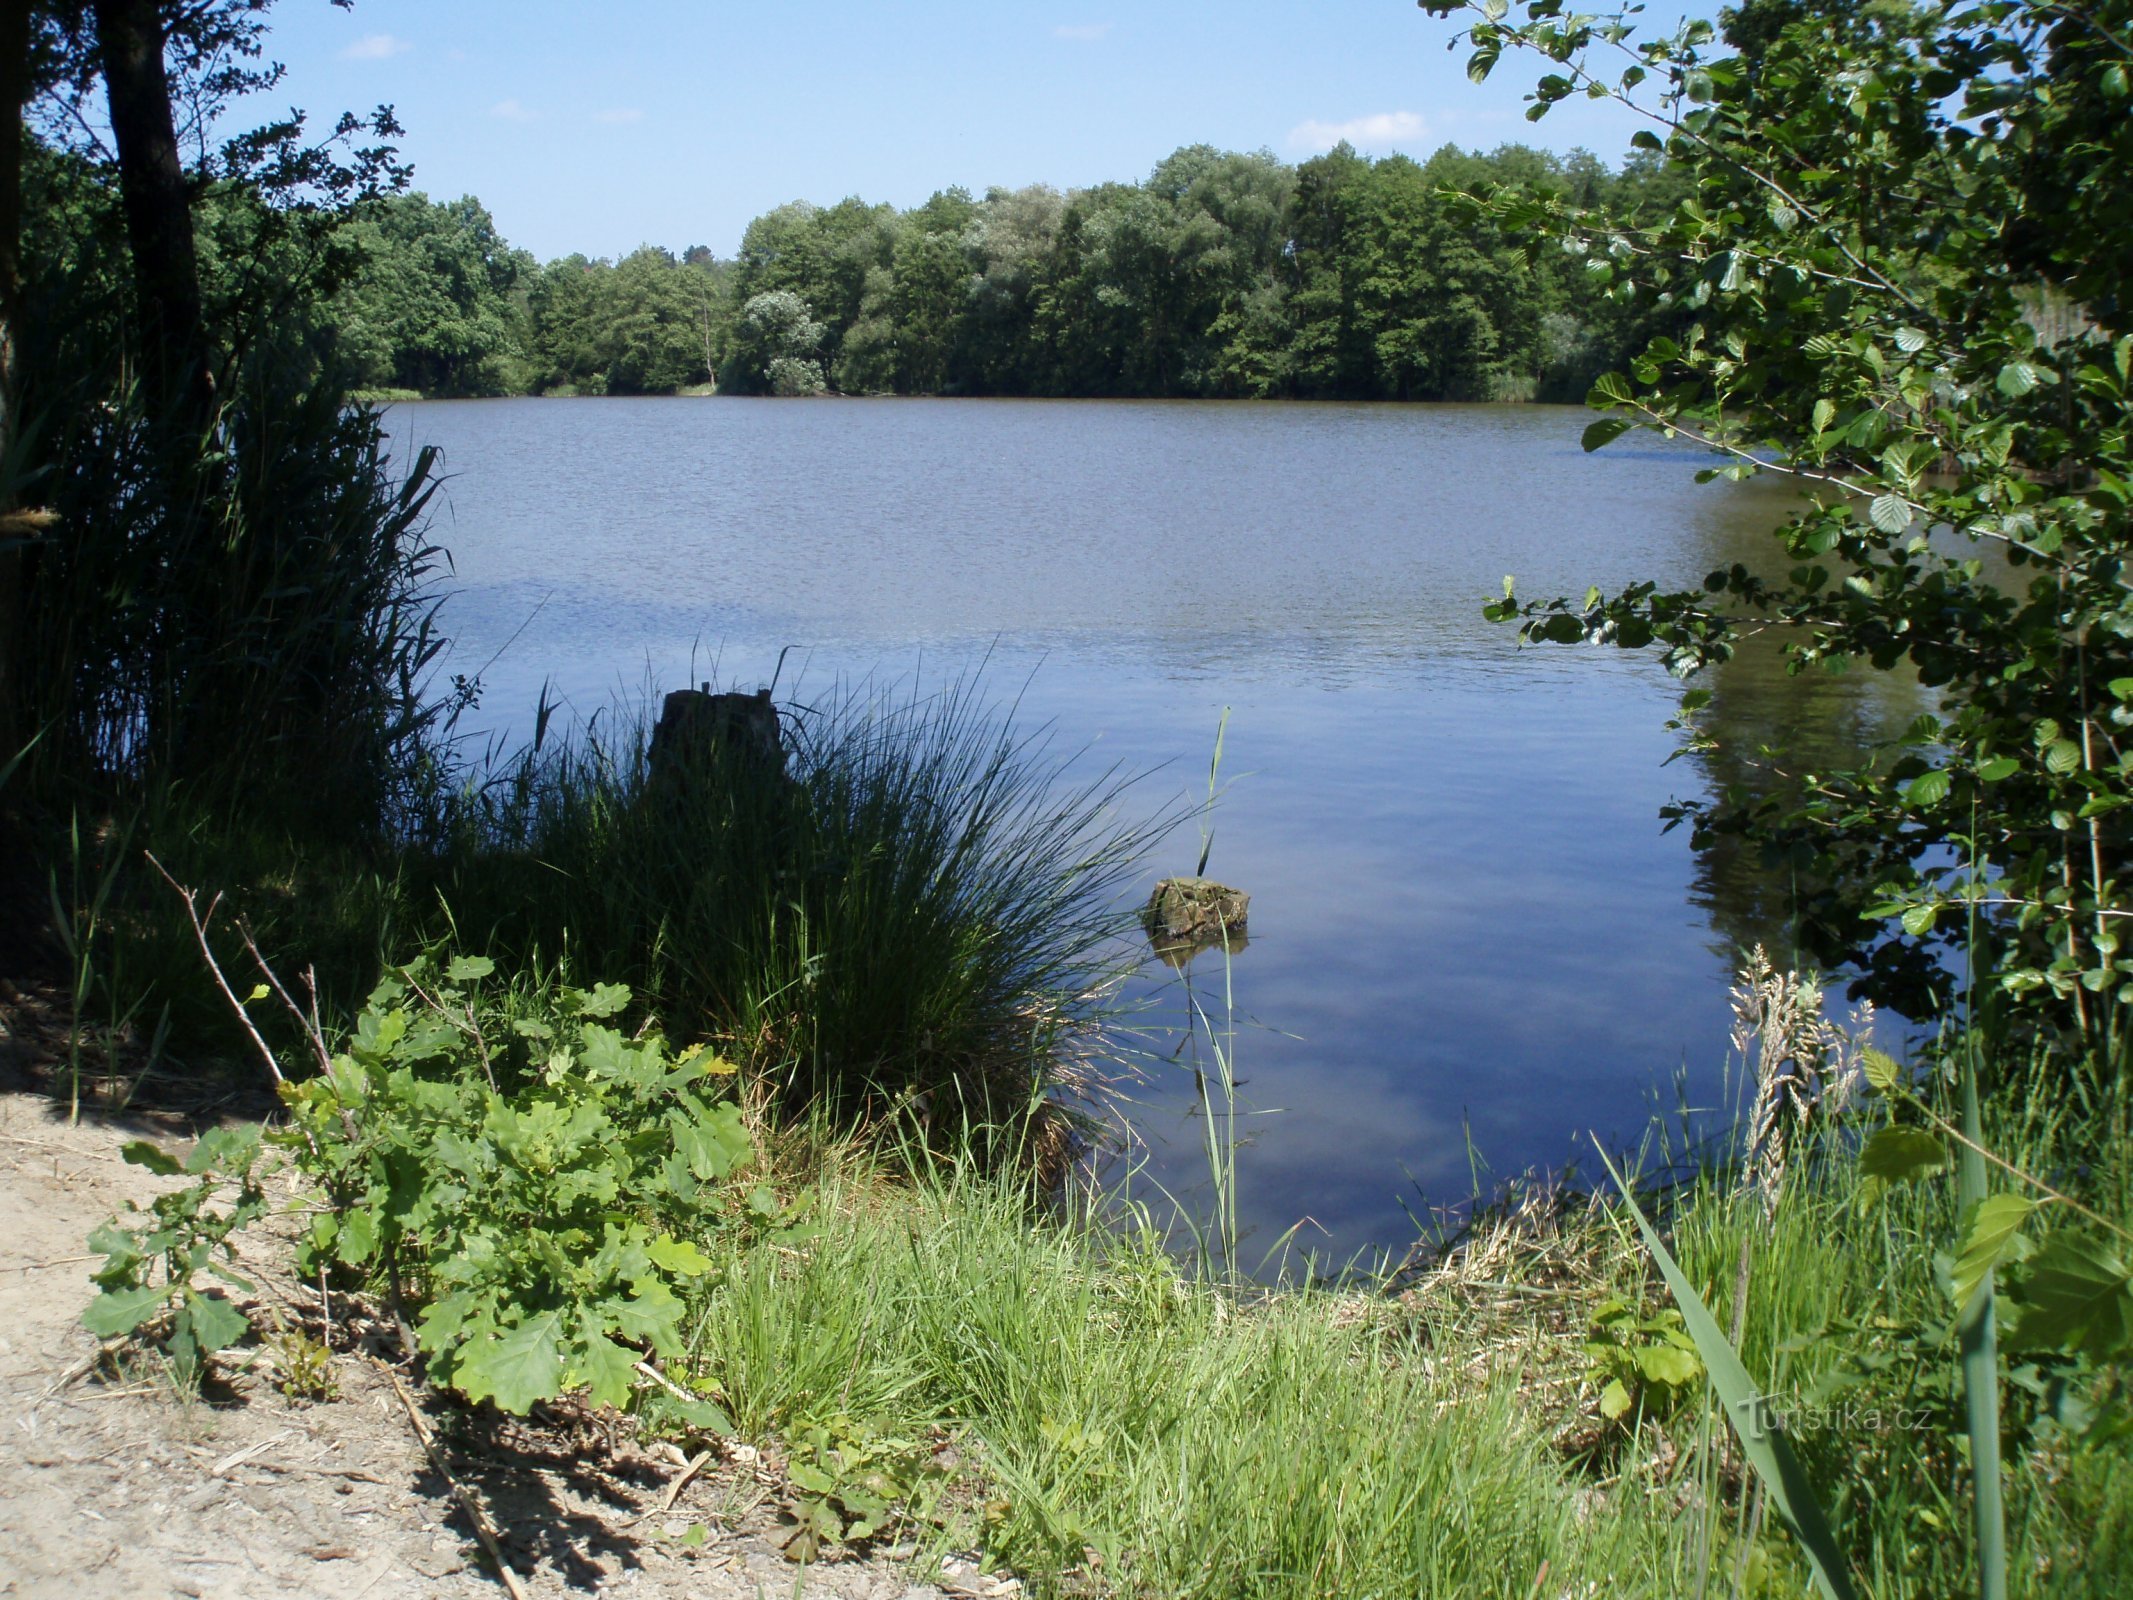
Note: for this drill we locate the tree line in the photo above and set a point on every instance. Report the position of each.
(1221, 275)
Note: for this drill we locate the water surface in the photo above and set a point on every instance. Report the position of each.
(1470, 939)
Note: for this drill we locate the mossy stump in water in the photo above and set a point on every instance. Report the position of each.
(1194, 911)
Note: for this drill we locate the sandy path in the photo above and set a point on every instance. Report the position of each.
(117, 1488)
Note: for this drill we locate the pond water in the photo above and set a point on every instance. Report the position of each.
(1470, 940)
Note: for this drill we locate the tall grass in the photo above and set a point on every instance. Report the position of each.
(237, 676)
(920, 918)
(1136, 1430)
(1137, 1424)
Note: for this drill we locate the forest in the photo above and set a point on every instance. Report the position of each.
(1221, 275)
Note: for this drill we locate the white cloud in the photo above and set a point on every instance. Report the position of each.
(1084, 32)
(376, 47)
(619, 114)
(512, 111)
(1382, 131)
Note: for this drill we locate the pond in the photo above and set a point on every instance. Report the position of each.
(1470, 940)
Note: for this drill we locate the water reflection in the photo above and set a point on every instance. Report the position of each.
(1470, 939)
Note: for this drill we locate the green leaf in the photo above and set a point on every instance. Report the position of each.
(1989, 1231)
(226, 1149)
(1883, 1071)
(2076, 1294)
(678, 1256)
(2062, 756)
(1928, 788)
(2017, 378)
(706, 1415)
(1614, 1401)
(1766, 1448)
(605, 1000)
(1825, 413)
(1668, 1364)
(1604, 432)
(1899, 1155)
(525, 1365)
(213, 1322)
(1918, 920)
(156, 1159)
(466, 969)
(604, 1366)
(1890, 513)
(120, 1311)
(1998, 768)
(358, 1236)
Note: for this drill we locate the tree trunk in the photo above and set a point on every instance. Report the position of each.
(176, 374)
(14, 92)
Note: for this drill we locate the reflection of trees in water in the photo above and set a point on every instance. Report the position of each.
(1771, 728)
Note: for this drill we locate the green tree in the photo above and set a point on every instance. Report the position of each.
(654, 324)
(776, 347)
(1899, 273)
(929, 290)
(1012, 240)
(437, 303)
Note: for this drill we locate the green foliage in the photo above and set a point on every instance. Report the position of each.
(647, 324)
(149, 1287)
(436, 303)
(303, 1365)
(258, 640)
(850, 1485)
(534, 1181)
(1950, 390)
(1646, 1364)
(1767, 1449)
(2066, 1289)
(1222, 274)
(775, 346)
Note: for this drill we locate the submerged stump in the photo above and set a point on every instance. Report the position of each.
(1194, 912)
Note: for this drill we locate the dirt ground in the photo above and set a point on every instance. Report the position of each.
(112, 1485)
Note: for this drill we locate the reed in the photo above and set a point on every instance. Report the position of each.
(920, 919)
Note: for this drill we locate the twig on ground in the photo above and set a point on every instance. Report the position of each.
(473, 1512)
(56, 1261)
(668, 1384)
(80, 1369)
(689, 1470)
(238, 1458)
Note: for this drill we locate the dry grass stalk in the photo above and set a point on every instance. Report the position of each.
(1805, 1064)
(1513, 1293)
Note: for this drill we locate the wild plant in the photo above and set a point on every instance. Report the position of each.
(530, 1183)
(2048, 1309)
(920, 919)
(149, 1288)
(1804, 1065)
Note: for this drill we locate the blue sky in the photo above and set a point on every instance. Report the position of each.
(599, 127)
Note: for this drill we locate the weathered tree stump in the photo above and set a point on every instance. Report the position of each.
(699, 733)
(1194, 911)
